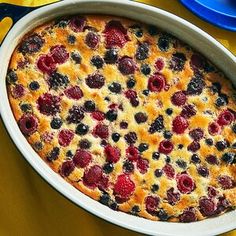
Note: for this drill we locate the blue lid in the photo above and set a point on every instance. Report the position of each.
(221, 13)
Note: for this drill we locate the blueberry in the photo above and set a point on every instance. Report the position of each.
(163, 43)
(158, 173)
(53, 155)
(140, 117)
(163, 216)
(115, 87)
(143, 147)
(111, 115)
(76, 57)
(154, 188)
(216, 87)
(114, 206)
(62, 23)
(145, 69)
(135, 209)
(89, 106)
(142, 51)
(152, 30)
(111, 56)
(105, 199)
(155, 155)
(146, 92)
(84, 144)
(195, 86)
(128, 166)
(228, 157)
(115, 137)
(56, 123)
(123, 125)
(31, 44)
(169, 111)
(222, 100)
(71, 39)
(180, 146)
(97, 61)
(12, 77)
(181, 163)
(177, 61)
(209, 141)
(69, 153)
(167, 134)
(137, 30)
(57, 80)
(107, 99)
(34, 85)
(203, 171)
(234, 128)
(221, 145)
(130, 83)
(234, 145)
(168, 160)
(157, 125)
(26, 107)
(195, 159)
(82, 129)
(108, 168)
(139, 33)
(38, 146)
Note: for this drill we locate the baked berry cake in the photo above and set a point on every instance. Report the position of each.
(129, 115)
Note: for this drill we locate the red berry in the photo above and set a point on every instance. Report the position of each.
(101, 131)
(126, 65)
(165, 146)
(156, 82)
(142, 165)
(226, 182)
(152, 203)
(115, 34)
(46, 64)
(159, 64)
(65, 136)
(59, 54)
(130, 94)
(212, 192)
(207, 206)
(214, 128)
(98, 115)
(74, 93)
(132, 153)
(66, 168)
(48, 104)
(179, 98)
(124, 186)
(93, 176)
(82, 158)
(189, 215)
(169, 171)
(77, 23)
(188, 111)
(18, 91)
(185, 183)
(193, 146)
(103, 183)
(225, 118)
(172, 196)
(92, 40)
(196, 134)
(28, 124)
(112, 154)
(197, 61)
(179, 124)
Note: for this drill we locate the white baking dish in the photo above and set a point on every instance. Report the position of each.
(168, 22)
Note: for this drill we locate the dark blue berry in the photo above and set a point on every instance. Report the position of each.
(163, 216)
(222, 100)
(57, 80)
(142, 51)
(108, 168)
(76, 114)
(177, 61)
(203, 171)
(157, 125)
(180, 146)
(62, 23)
(84, 144)
(115, 137)
(53, 155)
(155, 155)
(163, 43)
(69, 154)
(38, 146)
(71, 39)
(221, 145)
(195, 159)
(140, 117)
(216, 87)
(31, 44)
(145, 69)
(89, 106)
(76, 57)
(143, 147)
(131, 137)
(228, 157)
(56, 123)
(34, 85)
(115, 87)
(168, 160)
(130, 83)
(105, 199)
(234, 128)
(152, 30)
(123, 125)
(154, 188)
(167, 134)
(26, 107)
(209, 141)
(111, 56)
(12, 77)
(135, 210)
(169, 111)
(158, 173)
(97, 61)
(195, 86)
(181, 163)
(146, 92)
(111, 115)
(82, 129)
(128, 166)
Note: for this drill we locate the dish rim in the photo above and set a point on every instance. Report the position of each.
(68, 7)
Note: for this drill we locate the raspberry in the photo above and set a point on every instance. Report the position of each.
(142, 165)
(65, 136)
(142, 51)
(103, 183)
(179, 124)
(31, 44)
(225, 118)
(28, 124)
(207, 206)
(115, 34)
(101, 131)
(82, 158)
(212, 192)
(92, 40)
(124, 186)
(95, 81)
(185, 183)
(214, 128)
(226, 182)
(177, 61)
(98, 115)
(76, 114)
(66, 168)
(131, 137)
(112, 154)
(189, 215)
(169, 171)
(131, 94)
(196, 134)
(77, 23)
(188, 111)
(157, 125)
(18, 91)
(152, 203)
(194, 146)
(165, 147)
(59, 54)
(159, 64)
(46, 64)
(132, 153)
(74, 93)
(178, 98)
(172, 197)
(222, 205)
(93, 176)
(48, 104)
(126, 65)
(57, 80)
(156, 82)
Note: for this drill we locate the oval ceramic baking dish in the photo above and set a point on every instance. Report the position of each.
(168, 22)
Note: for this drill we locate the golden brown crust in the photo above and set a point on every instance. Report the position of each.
(45, 139)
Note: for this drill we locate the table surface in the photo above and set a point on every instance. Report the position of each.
(29, 206)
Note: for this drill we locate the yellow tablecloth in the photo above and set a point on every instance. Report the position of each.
(28, 205)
